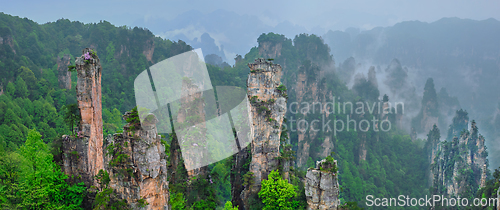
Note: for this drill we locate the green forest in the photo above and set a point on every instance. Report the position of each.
(35, 112)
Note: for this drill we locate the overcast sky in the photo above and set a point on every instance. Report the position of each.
(331, 14)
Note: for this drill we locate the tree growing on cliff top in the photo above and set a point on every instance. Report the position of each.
(277, 193)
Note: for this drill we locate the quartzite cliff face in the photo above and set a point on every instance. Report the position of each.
(84, 154)
(459, 164)
(88, 95)
(267, 107)
(135, 159)
(137, 164)
(322, 186)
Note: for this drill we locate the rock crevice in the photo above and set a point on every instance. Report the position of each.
(137, 164)
(267, 109)
(322, 187)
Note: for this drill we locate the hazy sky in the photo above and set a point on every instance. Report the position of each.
(332, 14)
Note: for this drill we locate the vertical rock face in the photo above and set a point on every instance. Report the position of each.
(270, 50)
(429, 113)
(192, 130)
(135, 159)
(149, 49)
(237, 172)
(432, 146)
(64, 76)
(309, 90)
(88, 95)
(322, 186)
(460, 164)
(83, 153)
(137, 165)
(268, 107)
(498, 198)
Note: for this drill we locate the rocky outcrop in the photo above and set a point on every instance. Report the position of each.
(308, 90)
(322, 186)
(498, 198)
(149, 49)
(137, 164)
(64, 76)
(429, 113)
(135, 159)
(267, 109)
(83, 154)
(270, 49)
(88, 95)
(431, 147)
(191, 130)
(459, 164)
(8, 41)
(237, 171)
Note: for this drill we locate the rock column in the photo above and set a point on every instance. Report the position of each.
(88, 95)
(137, 165)
(267, 107)
(322, 187)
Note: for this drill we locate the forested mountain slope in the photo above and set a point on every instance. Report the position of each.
(372, 160)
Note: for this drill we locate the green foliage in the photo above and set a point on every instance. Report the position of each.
(276, 192)
(281, 88)
(102, 178)
(37, 182)
(133, 118)
(72, 115)
(142, 203)
(254, 99)
(112, 121)
(72, 68)
(271, 37)
(329, 165)
(220, 175)
(177, 201)
(106, 198)
(351, 205)
(229, 206)
(248, 179)
(21, 88)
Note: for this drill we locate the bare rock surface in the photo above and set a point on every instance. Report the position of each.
(322, 187)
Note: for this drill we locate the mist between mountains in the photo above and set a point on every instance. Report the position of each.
(337, 116)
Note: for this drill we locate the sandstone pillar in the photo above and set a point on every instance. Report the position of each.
(267, 107)
(88, 94)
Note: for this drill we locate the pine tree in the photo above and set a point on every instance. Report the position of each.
(21, 88)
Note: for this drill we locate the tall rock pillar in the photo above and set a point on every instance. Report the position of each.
(322, 186)
(88, 95)
(267, 107)
(137, 164)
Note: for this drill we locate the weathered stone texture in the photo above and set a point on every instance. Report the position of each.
(88, 94)
(267, 109)
(191, 128)
(464, 153)
(82, 155)
(322, 188)
(143, 173)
